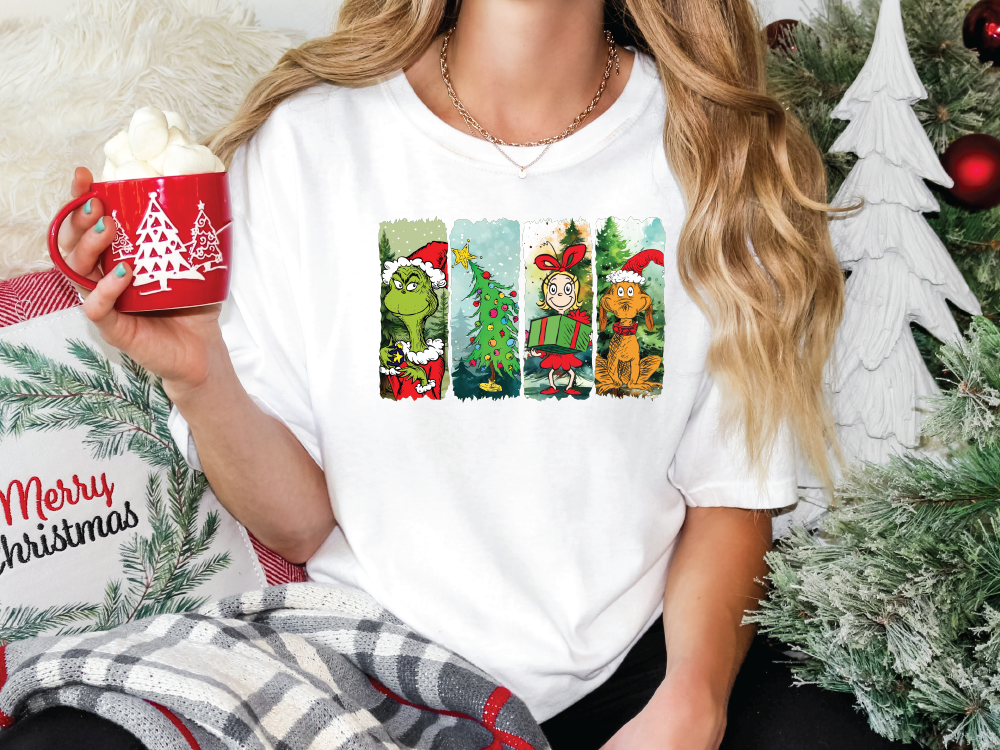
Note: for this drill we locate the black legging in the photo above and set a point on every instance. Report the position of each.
(765, 712)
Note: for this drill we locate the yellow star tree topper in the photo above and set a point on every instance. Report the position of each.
(463, 256)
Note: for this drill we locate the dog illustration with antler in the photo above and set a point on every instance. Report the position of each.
(623, 371)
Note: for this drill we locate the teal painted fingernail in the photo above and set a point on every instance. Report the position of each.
(86, 206)
(120, 270)
(99, 226)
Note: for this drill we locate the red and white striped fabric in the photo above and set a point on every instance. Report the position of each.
(27, 297)
(277, 569)
(35, 294)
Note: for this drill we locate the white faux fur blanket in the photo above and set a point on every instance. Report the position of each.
(70, 83)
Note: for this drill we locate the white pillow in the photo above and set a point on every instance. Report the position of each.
(101, 520)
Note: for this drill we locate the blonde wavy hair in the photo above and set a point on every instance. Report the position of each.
(754, 252)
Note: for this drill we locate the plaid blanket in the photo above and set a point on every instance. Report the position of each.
(292, 667)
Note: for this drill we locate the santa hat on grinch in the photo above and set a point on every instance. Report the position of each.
(432, 259)
(634, 266)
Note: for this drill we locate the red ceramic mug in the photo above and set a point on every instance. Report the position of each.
(173, 231)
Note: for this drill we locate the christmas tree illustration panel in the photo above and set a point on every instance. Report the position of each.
(559, 294)
(413, 258)
(486, 309)
(630, 308)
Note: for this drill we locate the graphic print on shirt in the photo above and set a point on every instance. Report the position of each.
(630, 308)
(485, 309)
(559, 294)
(414, 265)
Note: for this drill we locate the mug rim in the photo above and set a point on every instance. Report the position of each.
(159, 177)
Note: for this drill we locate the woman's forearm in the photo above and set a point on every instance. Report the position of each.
(258, 469)
(711, 581)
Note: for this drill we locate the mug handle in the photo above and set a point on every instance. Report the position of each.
(54, 251)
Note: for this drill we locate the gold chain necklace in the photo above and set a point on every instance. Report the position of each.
(474, 127)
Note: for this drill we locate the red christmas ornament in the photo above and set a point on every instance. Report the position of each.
(981, 30)
(472, 339)
(781, 35)
(472, 363)
(486, 274)
(513, 294)
(475, 303)
(973, 162)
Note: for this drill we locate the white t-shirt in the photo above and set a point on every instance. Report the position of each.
(525, 526)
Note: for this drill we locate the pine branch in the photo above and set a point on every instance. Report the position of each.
(18, 623)
(54, 396)
(971, 410)
(111, 614)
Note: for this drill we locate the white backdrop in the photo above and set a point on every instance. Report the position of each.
(314, 17)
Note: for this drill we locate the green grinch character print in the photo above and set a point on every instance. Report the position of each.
(414, 368)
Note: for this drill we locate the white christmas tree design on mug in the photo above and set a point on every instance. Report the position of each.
(122, 247)
(159, 253)
(205, 255)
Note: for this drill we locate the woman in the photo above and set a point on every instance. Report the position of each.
(543, 561)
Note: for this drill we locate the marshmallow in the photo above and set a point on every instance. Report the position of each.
(156, 144)
(148, 133)
(135, 170)
(176, 137)
(117, 149)
(176, 120)
(110, 173)
(188, 160)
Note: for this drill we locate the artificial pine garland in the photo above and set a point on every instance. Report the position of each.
(897, 597)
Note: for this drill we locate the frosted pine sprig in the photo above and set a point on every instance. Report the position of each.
(971, 410)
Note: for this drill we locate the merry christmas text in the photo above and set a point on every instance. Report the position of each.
(66, 536)
(33, 496)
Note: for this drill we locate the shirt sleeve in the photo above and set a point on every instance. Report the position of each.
(260, 320)
(710, 467)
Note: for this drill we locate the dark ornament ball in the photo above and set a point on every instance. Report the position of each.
(981, 30)
(781, 35)
(973, 162)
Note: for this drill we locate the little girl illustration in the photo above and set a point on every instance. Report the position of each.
(561, 293)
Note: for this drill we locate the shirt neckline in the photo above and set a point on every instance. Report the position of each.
(639, 90)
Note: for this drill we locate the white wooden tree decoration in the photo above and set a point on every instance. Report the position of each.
(159, 257)
(205, 254)
(900, 270)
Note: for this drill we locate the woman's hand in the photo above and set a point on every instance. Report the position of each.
(681, 715)
(179, 346)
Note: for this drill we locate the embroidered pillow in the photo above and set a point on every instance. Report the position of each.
(101, 520)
